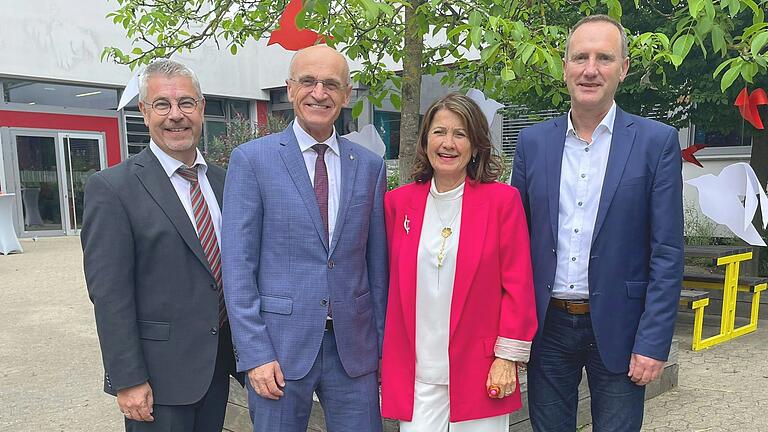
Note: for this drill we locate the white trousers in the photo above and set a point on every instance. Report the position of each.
(431, 408)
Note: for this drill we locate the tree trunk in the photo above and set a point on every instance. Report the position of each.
(411, 91)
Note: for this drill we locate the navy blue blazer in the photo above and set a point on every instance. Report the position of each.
(636, 260)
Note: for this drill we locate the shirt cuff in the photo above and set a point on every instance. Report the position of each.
(512, 349)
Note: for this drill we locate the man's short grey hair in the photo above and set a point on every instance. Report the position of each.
(600, 18)
(168, 68)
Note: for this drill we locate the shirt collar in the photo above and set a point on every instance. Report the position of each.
(169, 164)
(606, 123)
(306, 141)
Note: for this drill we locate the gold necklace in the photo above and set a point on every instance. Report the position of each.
(445, 232)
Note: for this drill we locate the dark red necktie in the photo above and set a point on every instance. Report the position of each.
(206, 233)
(321, 184)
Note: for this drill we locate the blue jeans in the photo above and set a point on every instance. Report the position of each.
(557, 357)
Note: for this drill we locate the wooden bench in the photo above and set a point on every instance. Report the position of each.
(748, 284)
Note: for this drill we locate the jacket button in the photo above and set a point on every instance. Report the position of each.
(213, 286)
(331, 264)
(323, 302)
(214, 331)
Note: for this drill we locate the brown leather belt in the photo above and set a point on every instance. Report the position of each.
(573, 307)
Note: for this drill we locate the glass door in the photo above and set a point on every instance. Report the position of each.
(39, 182)
(82, 155)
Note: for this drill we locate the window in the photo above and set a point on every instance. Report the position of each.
(517, 118)
(387, 123)
(55, 94)
(741, 135)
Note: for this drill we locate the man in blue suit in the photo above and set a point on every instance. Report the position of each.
(304, 258)
(603, 194)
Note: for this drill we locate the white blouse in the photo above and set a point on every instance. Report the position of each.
(434, 289)
(434, 286)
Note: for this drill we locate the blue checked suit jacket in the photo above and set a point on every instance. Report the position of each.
(279, 271)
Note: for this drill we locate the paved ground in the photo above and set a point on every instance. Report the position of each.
(50, 368)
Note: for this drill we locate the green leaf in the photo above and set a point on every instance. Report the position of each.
(476, 36)
(137, 51)
(557, 98)
(526, 52)
(718, 40)
(683, 44)
(722, 66)
(758, 42)
(729, 77)
(507, 74)
(694, 6)
(357, 109)
(395, 99)
(475, 18)
(709, 9)
(233, 49)
(489, 53)
(734, 8)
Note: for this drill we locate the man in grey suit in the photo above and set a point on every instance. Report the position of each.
(304, 253)
(152, 266)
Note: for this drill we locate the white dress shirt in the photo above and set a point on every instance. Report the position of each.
(333, 166)
(182, 186)
(581, 184)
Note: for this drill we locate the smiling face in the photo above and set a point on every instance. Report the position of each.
(317, 107)
(448, 149)
(176, 133)
(594, 66)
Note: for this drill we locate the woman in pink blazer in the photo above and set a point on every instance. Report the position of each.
(461, 311)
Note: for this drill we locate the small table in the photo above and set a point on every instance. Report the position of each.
(8, 241)
(730, 257)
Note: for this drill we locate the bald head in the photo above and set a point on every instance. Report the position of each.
(307, 56)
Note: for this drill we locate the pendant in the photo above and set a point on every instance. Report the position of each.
(445, 233)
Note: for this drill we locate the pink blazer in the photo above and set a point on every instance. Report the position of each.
(492, 296)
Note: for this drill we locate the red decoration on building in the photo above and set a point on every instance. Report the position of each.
(288, 35)
(748, 103)
(688, 154)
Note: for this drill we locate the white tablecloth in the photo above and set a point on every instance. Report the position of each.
(8, 241)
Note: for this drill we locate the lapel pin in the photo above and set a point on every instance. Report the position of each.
(407, 225)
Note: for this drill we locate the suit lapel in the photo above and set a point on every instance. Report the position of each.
(621, 146)
(154, 179)
(409, 252)
(348, 171)
(474, 218)
(216, 180)
(297, 169)
(554, 144)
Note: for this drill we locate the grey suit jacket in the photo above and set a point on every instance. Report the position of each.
(153, 292)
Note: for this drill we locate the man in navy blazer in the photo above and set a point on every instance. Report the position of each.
(603, 194)
(305, 265)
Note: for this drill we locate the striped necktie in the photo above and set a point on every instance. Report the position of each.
(205, 232)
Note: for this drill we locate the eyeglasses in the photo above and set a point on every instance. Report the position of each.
(163, 106)
(309, 83)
